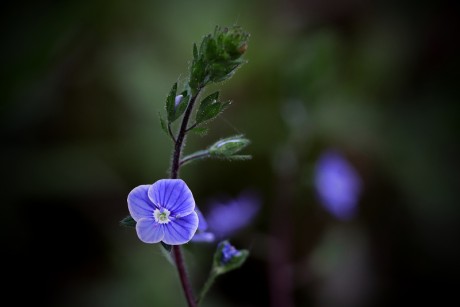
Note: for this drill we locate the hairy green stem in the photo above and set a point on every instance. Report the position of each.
(181, 137)
(209, 282)
(201, 154)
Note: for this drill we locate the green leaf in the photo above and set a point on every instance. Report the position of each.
(164, 125)
(197, 75)
(201, 131)
(128, 221)
(222, 71)
(210, 108)
(170, 103)
(211, 52)
(204, 44)
(229, 146)
(180, 108)
(195, 52)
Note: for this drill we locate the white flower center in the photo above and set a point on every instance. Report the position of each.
(161, 216)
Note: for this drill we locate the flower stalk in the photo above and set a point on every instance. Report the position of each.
(175, 166)
(209, 282)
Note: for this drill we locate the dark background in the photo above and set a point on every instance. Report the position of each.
(82, 85)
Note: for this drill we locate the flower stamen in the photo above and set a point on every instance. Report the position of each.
(161, 216)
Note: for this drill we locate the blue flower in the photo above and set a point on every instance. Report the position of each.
(164, 211)
(225, 218)
(228, 252)
(337, 184)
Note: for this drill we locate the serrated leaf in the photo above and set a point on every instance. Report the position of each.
(170, 103)
(210, 108)
(223, 71)
(164, 125)
(128, 221)
(211, 50)
(195, 52)
(204, 44)
(201, 131)
(198, 76)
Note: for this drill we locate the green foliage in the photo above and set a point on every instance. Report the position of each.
(128, 221)
(174, 111)
(201, 131)
(210, 108)
(182, 106)
(170, 103)
(218, 57)
(164, 125)
(228, 147)
(220, 267)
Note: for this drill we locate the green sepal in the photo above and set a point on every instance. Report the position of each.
(226, 148)
(128, 221)
(170, 103)
(237, 158)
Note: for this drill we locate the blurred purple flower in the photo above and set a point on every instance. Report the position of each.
(201, 235)
(228, 252)
(337, 184)
(227, 217)
(164, 211)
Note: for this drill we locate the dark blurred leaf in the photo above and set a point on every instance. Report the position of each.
(128, 222)
(167, 247)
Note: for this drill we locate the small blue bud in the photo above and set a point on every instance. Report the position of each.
(177, 100)
(228, 252)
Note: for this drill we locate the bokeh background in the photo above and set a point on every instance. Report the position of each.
(376, 81)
